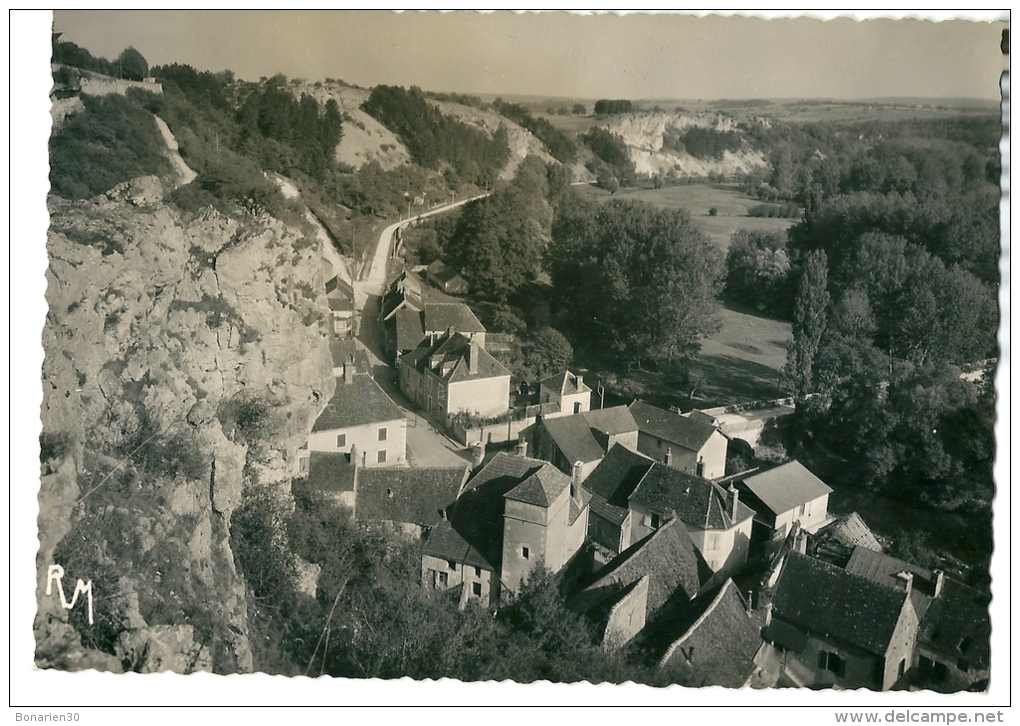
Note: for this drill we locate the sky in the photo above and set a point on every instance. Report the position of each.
(557, 54)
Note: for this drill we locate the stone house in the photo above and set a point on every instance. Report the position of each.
(681, 442)
(455, 375)
(632, 496)
(580, 440)
(445, 278)
(566, 392)
(361, 415)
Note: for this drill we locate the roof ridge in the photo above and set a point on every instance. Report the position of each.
(701, 618)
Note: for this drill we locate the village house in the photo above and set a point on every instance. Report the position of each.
(406, 292)
(633, 496)
(681, 442)
(445, 278)
(566, 392)
(952, 651)
(712, 641)
(359, 414)
(630, 591)
(781, 496)
(405, 501)
(826, 627)
(580, 440)
(454, 375)
(515, 514)
(439, 318)
(342, 309)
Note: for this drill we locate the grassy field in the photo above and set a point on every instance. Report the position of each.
(731, 203)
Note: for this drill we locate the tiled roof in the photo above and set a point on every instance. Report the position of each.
(719, 645)
(442, 272)
(478, 514)
(406, 298)
(357, 403)
(957, 625)
(668, 426)
(446, 543)
(442, 316)
(451, 352)
(338, 286)
(541, 488)
(786, 486)
(340, 350)
(578, 504)
(882, 569)
(668, 556)
(409, 329)
(340, 304)
(695, 500)
(412, 495)
(565, 383)
(826, 600)
(330, 472)
(851, 531)
(616, 476)
(573, 438)
(611, 421)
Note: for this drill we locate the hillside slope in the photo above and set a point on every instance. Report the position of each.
(185, 360)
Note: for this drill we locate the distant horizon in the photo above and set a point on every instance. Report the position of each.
(556, 55)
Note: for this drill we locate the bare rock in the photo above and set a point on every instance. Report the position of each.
(163, 648)
(143, 191)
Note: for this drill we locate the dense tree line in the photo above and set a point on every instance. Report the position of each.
(435, 139)
(560, 145)
(313, 133)
(130, 64)
(638, 283)
(758, 271)
(605, 107)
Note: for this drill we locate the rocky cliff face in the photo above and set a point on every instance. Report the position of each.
(184, 359)
(643, 135)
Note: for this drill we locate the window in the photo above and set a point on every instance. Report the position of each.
(303, 465)
(382, 434)
(476, 589)
(831, 662)
(478, 572)
(381, 456)
(525, 552)
(803, 508)
(701, 468)
(341, 441)
(442, 578)
(452, 565)
(655, 521)
(577, 407)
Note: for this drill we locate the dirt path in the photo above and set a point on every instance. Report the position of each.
(185, 172)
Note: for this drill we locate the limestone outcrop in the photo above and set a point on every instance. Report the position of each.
(184, 358)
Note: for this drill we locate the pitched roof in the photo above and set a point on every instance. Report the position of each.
(686, 432)
(850, 530)
(447, 543)
(610, 421)
(824, 599)
(477, 515)
(572, 436)
(614, 480)
(330, 471)
(450, 352)
(396, 299)
(412, 495)
(786, 486)
(409, 330)
(341, 350)
(357, 403)
(667, 556)
(541, 488)
(442, 272)
(565, 383)
(443, 316)
(957, 626)
(339, 286)
(717, 640)
(695, 500)
(340, 304)
(882, 569)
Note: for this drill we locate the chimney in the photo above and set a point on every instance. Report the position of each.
(450, 331)
(477, 453)
(669, 456)
(472, 358)
(734, 500)
(580, 382)
(907, 578)
(349, 369)
(939, 580)
(575, 480)
(522, 447)
(768, 614)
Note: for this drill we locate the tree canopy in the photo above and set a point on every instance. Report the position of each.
(640, 282)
